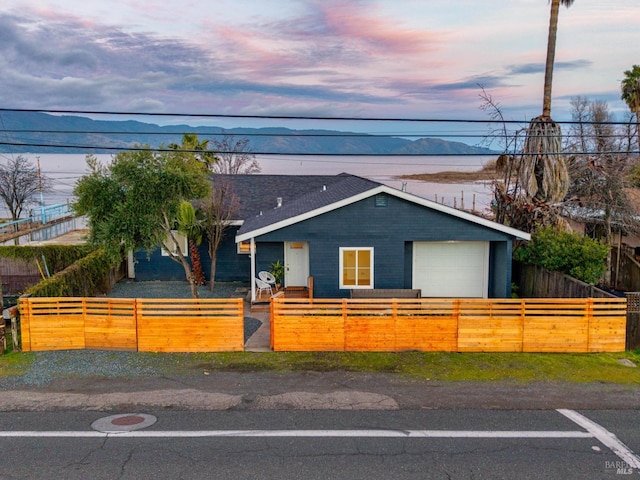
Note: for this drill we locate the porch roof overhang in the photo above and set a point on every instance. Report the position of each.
(276, 219)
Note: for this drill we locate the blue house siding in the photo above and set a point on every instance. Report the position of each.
(500, 270)
(231, 266)
(267, 253)
(159, 267)
(390, 231)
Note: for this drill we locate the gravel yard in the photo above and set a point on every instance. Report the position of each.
(132, 289)
(115, 364)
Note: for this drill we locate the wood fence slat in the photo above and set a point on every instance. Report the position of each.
(210, 325)
(491, 325)
(71, 323)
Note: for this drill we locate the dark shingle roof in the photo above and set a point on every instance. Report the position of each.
(260, 193)
(328, 193)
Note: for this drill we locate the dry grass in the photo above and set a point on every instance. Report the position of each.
(486, 173)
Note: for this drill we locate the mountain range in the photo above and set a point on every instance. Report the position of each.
(44, 133)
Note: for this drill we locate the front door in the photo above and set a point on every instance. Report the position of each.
(296, 264)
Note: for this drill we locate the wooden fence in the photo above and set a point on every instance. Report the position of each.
(151, 325)
(537, 282)
(452, 325)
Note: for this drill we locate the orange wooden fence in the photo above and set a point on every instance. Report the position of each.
(153, 325)
(462, 325)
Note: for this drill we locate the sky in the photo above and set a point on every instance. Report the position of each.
(336, 58)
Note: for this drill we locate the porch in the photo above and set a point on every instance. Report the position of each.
(263, 298)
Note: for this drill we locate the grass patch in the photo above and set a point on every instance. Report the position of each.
(15, 363)
(509, 367)
(515, 367)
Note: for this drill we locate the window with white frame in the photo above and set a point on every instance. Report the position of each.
(182, 241)
(356, 267)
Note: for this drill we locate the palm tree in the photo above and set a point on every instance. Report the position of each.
(196, 147)
(190, 225)
(544, 172)
(630, 87)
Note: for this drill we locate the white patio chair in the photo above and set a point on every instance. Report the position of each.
(263, 287)
(267, 277)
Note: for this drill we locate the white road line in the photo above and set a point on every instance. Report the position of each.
(604, 436)
(302, 433)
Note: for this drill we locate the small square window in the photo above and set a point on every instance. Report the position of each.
(244, 248)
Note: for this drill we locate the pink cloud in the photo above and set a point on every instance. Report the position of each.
(359, 22)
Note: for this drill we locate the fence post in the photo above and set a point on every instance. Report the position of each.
(523, 304)
(589, 315)
(344, 324)
(136, 319)
(25, 332)
(456, 315)
(272, 314)
(394, 313)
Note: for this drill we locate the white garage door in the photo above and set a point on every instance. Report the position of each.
(451, 269)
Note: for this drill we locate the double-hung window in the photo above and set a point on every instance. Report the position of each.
(356, 267)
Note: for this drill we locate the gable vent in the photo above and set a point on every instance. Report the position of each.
(382, 200)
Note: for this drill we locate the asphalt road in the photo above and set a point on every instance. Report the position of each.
(294, 444)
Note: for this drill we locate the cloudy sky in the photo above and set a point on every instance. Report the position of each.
(356, 58)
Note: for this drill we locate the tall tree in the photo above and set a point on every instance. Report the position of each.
(198, 149)
(598, 191)
(630, 87)
(220, 208)
(551, 53)
(20, 181)
(544, 172)
(234, 156)
(134, 201)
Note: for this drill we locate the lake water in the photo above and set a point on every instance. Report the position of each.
(65, 169)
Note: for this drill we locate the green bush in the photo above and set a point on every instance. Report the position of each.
(578, 256)
(58, 257)
(87, 277)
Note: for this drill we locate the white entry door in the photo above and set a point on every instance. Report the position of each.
(296, 264)
(451, 269)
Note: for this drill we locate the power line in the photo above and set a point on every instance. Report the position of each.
(293, 134)
(297, 154)
(287, 117)
(253, 152)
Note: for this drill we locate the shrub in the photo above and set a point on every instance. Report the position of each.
(87, 277)
(581, 257)
(57, 257)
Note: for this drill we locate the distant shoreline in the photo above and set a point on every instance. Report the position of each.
(486, 173)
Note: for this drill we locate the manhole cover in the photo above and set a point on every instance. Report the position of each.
(124, 422)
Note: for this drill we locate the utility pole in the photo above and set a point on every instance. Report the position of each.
(40, 182)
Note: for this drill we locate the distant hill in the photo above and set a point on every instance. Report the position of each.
(69, 134)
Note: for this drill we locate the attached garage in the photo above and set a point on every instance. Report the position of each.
(451, 269)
